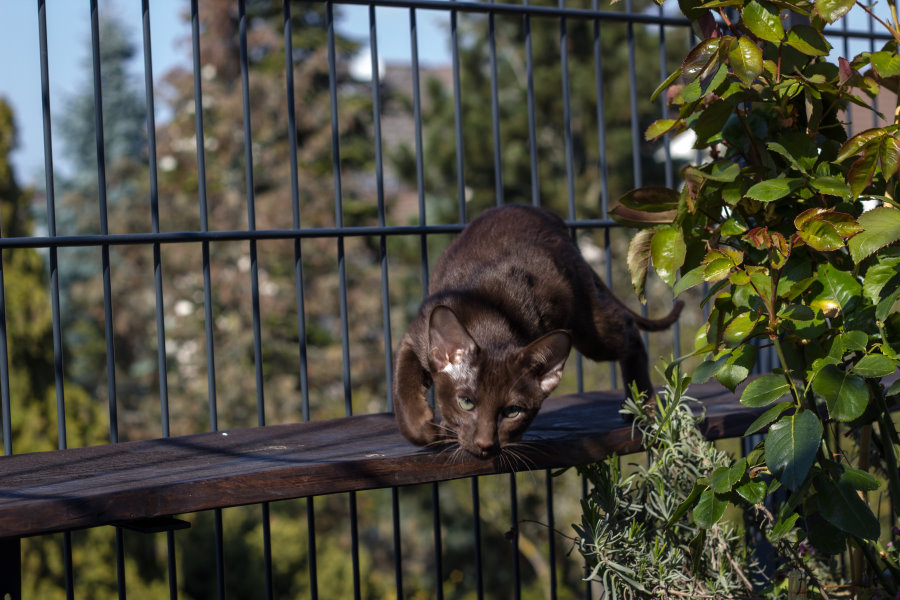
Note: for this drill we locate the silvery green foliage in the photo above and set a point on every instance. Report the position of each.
(625, 535)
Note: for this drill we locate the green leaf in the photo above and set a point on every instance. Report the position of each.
(791, 447)
(753, 491)
(889, 155)
(708, 125)
(659, 128)
(881, 227)
(808, 40)
(724, 479)
(783, 527)
(667, 251)
(875, 365)
(717, 270)
(690, 279)
(884, 273)
(699, 485)
(763, 20)
(650, 198)
(740, 328)
(841, 506)
(861, 172)
(672, 78)
(772, 189)
(738, 366)
(725, 171)
(845, 394)
(707, 369)
(821, 235)
(638, 260)
(886, 63)
(700, 58)
(832, 10)
(859, 480)
(709, 509)
(768, 417)
(765, 390)
(746, 60)
(837, 285)
(858, 142)
(831, 186)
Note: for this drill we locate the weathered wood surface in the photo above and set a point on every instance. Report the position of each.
(69, 489)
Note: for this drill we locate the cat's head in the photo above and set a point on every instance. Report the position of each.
(489, 396)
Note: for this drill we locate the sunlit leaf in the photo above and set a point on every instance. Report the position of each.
(881, 226)
(667, 251)
(690, 279)
(879, 275)
(855, 145)
(659, 128)
(700, 58)
(791, 446)
(745, 59)
(886, 63)
(889, 156)
(773, 189)
(831, 186)
(832, 10)
(763, 20)
(717, 270)
(638, 260)
(821, 235)
(739, 328)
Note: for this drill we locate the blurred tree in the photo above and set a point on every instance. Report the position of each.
(510, 37)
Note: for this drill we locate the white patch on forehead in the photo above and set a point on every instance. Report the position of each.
(457, 367)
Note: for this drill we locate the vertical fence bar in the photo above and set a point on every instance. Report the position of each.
(54, 272)
(458, 115)
(207, 279)
(385, 291)
(254, 274)
(298, 278)
(495, 108)
(342, 272)
(567, 111)
(107, 282)
(532, 125)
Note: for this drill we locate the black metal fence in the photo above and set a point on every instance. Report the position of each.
(537, 102)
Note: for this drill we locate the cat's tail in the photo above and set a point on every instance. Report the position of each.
(658, 324)
(640, 320)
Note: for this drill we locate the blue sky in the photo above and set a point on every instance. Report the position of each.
(68, 34)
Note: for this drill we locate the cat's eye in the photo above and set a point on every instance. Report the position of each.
(511, 412)
(465, 403)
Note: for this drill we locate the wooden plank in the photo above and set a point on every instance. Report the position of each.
(83, 487)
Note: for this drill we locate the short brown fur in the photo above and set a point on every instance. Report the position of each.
(509, 297)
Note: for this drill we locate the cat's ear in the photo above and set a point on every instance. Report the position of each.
(450, 347)
(545, 358)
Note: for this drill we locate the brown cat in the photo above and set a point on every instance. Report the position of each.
(509, 297)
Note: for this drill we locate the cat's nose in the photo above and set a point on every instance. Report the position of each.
(487, 447)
